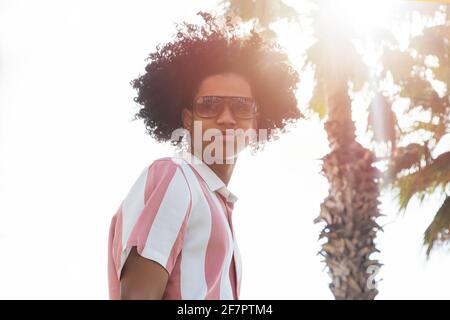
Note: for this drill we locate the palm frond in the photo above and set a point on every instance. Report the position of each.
(398, 63)
(438, 130)
(424, 181)
(336, 62)
(433, 41)
(318, 103)
(408, 157)
(423, 95)
(438, 232)
(263, 11)
(382, 121)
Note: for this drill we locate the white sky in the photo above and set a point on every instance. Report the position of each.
(69, 154)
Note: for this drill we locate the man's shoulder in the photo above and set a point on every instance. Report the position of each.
(173, 161)
(170, 165)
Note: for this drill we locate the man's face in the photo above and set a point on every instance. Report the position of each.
(220, 129)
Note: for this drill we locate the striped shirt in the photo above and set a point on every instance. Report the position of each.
(179, 214)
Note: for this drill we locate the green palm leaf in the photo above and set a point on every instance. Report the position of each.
(438, 232)
(425, 180)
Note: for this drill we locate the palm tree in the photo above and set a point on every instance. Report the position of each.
(351, 207)
(418, 168)
(263, 12)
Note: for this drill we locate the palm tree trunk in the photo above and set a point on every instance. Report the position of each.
(351, 207)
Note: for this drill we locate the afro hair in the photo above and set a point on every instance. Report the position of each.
(175, 71)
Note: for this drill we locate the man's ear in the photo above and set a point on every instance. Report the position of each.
(186, 118)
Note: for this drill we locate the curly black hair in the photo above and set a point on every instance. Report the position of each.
(176, 70)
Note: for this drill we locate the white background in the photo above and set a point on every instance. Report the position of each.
(69, 152)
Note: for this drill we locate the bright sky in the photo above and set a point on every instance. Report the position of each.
(70, 152)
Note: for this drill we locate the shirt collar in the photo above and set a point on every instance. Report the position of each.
(212, 180)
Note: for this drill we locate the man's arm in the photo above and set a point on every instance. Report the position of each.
(142, 279)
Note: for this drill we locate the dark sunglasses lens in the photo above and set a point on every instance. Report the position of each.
(207, 106)
(211, 106)
(243, 107)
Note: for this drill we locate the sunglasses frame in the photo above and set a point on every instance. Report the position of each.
(223, 99)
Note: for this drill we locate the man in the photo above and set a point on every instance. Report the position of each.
(172, 237)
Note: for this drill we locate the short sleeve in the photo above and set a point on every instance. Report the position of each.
(153, 216)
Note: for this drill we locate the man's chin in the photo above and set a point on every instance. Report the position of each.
(226, 158)
(223, 153)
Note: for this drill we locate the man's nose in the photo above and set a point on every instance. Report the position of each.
(226, 116)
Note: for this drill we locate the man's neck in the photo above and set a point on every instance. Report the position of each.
(223, 171)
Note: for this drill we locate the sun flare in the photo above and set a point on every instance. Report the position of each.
(365, 15)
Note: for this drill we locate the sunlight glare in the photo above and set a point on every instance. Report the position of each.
(365, 15)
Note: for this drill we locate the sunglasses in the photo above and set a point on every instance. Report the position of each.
(212, 106)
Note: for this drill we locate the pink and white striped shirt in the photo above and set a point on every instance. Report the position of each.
(179, 214)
